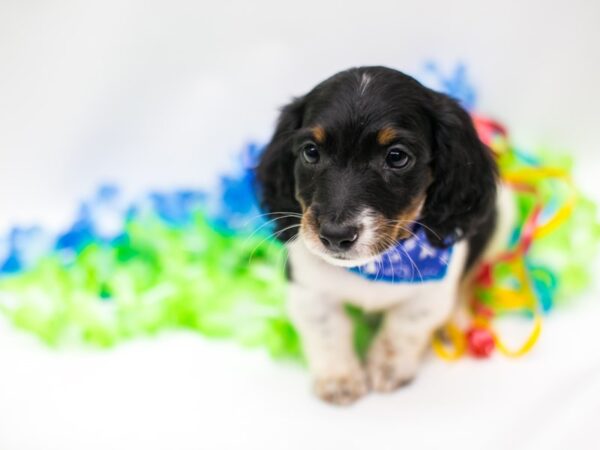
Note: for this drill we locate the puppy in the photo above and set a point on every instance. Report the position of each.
(385, 198)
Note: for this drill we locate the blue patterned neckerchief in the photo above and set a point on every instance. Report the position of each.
(413, 260)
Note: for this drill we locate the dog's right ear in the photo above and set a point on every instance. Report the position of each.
(275, 171)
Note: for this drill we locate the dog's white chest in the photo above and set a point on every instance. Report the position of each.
(310, 271)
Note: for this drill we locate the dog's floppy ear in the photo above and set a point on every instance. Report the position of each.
(463, 192)
(275, 171)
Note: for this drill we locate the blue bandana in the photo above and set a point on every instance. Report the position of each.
(413, 260)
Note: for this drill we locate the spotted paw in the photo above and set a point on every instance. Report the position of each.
(388, 369)
(388, 376)
(341, 389)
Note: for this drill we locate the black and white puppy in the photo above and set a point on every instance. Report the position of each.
(353, 165)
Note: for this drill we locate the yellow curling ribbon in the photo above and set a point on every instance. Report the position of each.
(457, 342)
(508, 299)
(505, 299)
(526, 298)
(531, 174)
(527, 345)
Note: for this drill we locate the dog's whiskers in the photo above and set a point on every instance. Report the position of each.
(272, 235)
(287, 216)
(411, 233)
(285, 253)
(395, 247)
(413, 222)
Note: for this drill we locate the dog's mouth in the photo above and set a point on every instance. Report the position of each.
(357, 242)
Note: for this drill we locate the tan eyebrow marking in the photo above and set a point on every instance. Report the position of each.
(386, 135)
(318, 133)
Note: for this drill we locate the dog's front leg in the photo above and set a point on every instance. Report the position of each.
(396, 352)
(326, 334)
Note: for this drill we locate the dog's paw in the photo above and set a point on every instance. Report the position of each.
(342, 389)
(387, 376)
(389, 370)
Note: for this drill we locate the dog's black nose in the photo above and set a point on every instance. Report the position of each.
(336, 236)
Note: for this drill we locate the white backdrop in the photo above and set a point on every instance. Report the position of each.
(163, 94)
(150, 93)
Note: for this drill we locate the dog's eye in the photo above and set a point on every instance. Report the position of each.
(310, 153)
(398, 158)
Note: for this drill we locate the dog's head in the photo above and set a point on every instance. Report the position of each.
(365, 155)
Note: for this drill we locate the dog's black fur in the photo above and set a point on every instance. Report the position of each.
(450, 167)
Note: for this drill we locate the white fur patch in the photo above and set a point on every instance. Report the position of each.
(365, 80)
(413, 311)
(316, 301)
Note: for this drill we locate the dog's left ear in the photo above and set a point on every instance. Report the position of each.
(275, 171)
(463, 192)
